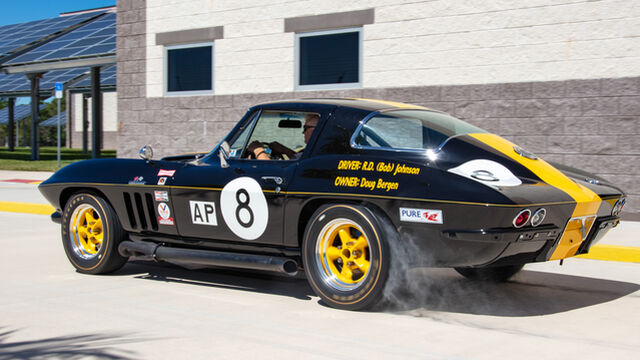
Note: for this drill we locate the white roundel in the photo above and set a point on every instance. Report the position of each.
(244, 208)
(163, 210)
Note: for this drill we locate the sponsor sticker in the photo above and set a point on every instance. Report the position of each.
(203, 213)
(421, 215)
(166, 172)
(138, 180)
(162, 180)
(161, 195)
(165, 214)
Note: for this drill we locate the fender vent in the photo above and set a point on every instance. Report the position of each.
(140, 211)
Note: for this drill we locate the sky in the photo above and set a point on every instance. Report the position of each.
(19, 11)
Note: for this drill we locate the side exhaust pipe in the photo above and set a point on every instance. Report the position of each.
(144, 250)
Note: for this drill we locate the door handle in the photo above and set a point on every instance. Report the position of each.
(275, 179)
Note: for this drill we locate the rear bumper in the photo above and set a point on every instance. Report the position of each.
(499, 246)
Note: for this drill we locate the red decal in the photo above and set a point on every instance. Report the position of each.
(166, 172)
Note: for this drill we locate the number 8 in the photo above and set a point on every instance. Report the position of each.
(243, 205)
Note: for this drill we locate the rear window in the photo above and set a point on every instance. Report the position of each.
(411, 129)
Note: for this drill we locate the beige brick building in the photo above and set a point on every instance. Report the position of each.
(559, 77)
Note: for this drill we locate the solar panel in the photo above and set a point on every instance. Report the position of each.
(53, 121)
(19, 112)
(16, 36)
(95, 38)
(18, 83)
(107, 79)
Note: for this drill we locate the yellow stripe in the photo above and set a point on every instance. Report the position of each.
(613, 253)
(19, 207)
(394, 104)
(587, 202)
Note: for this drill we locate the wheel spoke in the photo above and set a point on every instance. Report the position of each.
(333, 253)
(90, 218)
(345, 237)
(346, 273)
(361, 244)
(363, 264)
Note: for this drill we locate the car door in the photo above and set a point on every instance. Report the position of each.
(244, 201)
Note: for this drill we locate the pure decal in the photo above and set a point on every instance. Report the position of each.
(166, 172)
(161, 195)
(203, 213)
(162, 180)
(165, 214)
(421, 215)
(138, 180)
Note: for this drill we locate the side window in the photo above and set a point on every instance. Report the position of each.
(238, 143)
(282, 135)
(410, 129)
(384, 131)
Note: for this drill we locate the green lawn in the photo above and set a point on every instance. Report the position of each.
(19, 159)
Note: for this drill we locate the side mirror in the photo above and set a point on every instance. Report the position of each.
(146, 152)
(224, 154)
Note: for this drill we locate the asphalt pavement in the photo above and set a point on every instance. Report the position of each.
(587, 309)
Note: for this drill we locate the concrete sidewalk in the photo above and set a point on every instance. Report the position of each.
(27, 175)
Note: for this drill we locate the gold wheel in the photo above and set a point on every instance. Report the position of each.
(86, 232)
(343, 255)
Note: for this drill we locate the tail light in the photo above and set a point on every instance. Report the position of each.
(538, 217)
(521, 219)
(617, 208)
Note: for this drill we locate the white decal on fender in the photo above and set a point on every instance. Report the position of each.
(203, 213)
(421, 215)
(165, 214)
(244, 208)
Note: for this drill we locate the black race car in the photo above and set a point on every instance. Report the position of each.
(349, 190)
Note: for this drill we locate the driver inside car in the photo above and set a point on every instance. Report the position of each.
(257, 150)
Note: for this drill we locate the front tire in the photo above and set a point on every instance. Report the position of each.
(346, 256)
(91, 233)
(490, 274)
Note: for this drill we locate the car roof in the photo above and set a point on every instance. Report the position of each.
(354, 103)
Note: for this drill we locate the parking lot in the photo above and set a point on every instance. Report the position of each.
(584, 309)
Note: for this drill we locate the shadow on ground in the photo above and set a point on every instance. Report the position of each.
(242, 280)
(529, 293)
(95, 346)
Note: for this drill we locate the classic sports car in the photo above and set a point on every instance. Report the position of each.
(368, 189)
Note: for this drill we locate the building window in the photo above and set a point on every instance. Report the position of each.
(189, 69)
(329, 59)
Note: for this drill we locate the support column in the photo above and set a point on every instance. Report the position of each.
(70, 118)
(35, 115)
(96, 113)
(10, 126)
(85, 124)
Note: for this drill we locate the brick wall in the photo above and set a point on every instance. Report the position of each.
(593, 124)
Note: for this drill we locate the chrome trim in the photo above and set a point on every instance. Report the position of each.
(484, 175)
(592, 181)
(524, 153)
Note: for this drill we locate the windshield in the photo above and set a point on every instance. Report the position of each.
(411, 129)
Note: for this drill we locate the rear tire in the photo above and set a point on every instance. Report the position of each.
(91, 233)
(346, 256)
(490, 274)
